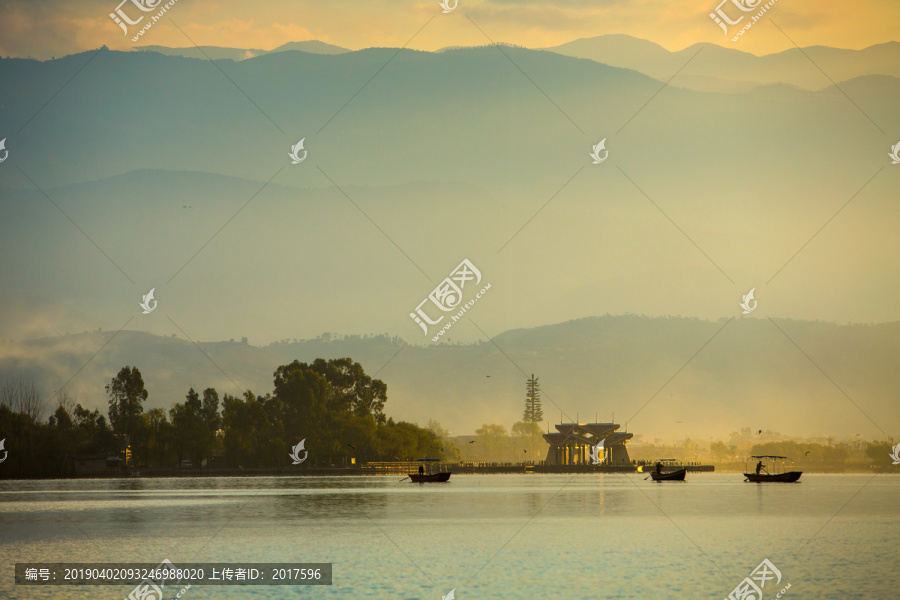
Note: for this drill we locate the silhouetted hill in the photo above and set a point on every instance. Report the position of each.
(749, 375)
(719, 69)
(220, 53)
(177, 178)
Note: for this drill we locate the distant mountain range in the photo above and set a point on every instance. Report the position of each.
(713, 68)
(148, 171)
(749, 375)
(220, 53)
(706, 67)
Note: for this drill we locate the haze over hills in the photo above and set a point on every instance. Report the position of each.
(714, 68)
(749, 375)
(442, 156)
(178, 179)
(219, 53)
(709, 67)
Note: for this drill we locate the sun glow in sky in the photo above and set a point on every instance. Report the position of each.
(46, 28)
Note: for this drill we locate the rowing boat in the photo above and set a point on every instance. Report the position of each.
(672, 476)
(431, 478)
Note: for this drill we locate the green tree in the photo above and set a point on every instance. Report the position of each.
(212, 421)
(254, 433)
(210, 410)
(302, 404)
(408, 441)
(533, 412)
(880, 452)
(159, 449)
(531, 445)
(192, 438)
(449, 450)
(126, 397)
(492, 443)
(722, 451)
(352, 390)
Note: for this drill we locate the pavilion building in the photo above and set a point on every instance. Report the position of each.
(571, 444)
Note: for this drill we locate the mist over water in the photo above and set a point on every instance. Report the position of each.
(490, 537)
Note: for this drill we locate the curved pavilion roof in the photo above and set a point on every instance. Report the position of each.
(587, 433)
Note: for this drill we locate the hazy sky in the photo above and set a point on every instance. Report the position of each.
(46, 28)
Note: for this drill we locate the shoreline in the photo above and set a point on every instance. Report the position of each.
(402, 471)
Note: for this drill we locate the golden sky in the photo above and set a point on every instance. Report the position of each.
(46, 28)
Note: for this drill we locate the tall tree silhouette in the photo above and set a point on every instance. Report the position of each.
(126, 400)
(533, 412)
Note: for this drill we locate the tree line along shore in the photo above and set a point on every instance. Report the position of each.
(337, 411)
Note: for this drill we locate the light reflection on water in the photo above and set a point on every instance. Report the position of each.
(490, 537)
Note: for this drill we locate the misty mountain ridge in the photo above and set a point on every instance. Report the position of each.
(715, 68)
(237, 54)
(237, 241)
(749, 374)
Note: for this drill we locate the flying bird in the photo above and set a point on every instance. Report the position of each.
(471, 442)
(807, 453)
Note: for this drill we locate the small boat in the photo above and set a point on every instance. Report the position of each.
(789, 477)
(778, 473)
(423, 477)
(671, 476)
(668, 469)
(431, 478)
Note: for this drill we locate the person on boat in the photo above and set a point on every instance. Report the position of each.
(658, 468)
(759, 467)
(421, 470)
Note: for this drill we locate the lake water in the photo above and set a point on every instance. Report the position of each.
(487, 536)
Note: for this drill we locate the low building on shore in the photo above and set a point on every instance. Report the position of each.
(572, 442)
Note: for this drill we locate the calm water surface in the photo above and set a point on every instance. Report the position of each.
(489, 536)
